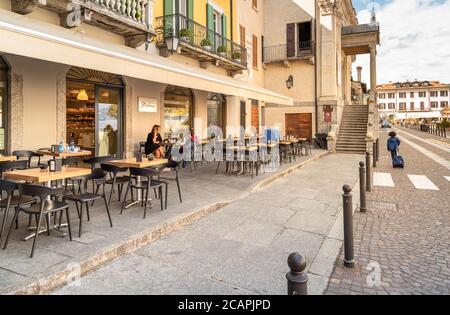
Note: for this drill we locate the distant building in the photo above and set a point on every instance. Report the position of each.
(413, 100)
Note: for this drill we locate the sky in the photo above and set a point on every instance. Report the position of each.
(415, 40)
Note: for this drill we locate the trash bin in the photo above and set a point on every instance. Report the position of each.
(321, 140)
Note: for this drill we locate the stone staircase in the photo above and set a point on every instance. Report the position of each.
(353, 130)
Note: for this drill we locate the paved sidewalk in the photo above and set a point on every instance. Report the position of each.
(402, 242)
(242, 248)
(56, 258)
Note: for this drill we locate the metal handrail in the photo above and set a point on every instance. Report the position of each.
(280, 53)
(194, 34)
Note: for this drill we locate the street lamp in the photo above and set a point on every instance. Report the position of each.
(290, 82)
(172, 43)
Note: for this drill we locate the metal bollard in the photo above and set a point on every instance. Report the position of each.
(374, 154)
(368, 173)
(349, 260)
(297, 279)
(378, 149)
(362, 187)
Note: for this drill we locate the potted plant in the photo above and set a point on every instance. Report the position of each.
(237, 56)
(206, 44)
(185, 35)
(222, 51)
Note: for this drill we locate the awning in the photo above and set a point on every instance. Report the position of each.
(25, 36)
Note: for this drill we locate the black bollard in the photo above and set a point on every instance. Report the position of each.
(378, 149)
(374, 148)
(368, 173)
(349, 260)
(362, 187)
(297, 279)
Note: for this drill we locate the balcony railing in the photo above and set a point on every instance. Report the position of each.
(195, 35)
(280, 52)
(131, 19)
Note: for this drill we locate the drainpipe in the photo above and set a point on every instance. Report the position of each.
(232, 20)
(315, 65)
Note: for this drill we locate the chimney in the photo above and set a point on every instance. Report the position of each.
(359, 73)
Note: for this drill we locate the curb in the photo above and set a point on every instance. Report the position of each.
(46, 284)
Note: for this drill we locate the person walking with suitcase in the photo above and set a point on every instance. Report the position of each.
(393, 144)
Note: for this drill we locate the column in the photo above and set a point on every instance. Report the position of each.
(373, 90)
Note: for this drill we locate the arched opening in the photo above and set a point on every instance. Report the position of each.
(4, 86)
(178, 110)
(216, 104)
(94, 107)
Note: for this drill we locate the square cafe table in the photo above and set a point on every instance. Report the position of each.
(36, 175)
(63, 155)
(4, 158)
(132, 162)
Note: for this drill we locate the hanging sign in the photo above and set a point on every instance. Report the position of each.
(327, 117)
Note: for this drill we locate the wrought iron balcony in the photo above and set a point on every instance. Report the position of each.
(279, 53)
(199, 42)
(131, 19)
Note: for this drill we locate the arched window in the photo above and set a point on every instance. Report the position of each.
(178, 110)
(94, 111)
(3, 104)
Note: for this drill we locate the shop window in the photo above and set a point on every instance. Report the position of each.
(178, 111)
(216, 113)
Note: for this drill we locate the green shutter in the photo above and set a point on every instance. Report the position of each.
(224, 26)
(168, 7)
(209, 16)
(191, 9)
(210, 22)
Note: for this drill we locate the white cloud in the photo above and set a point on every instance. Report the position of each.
(415, 41)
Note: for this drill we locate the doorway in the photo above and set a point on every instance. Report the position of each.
(4, 75)
(299, 125)
(94, 104)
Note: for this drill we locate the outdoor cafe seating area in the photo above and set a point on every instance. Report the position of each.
(50, 196)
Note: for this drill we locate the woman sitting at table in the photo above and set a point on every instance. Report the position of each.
(153, 143)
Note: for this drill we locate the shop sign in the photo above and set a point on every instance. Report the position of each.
(327, 117)
(148, 105)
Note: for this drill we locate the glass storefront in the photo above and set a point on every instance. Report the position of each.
(216, 112)
(3, 103)
(94, 111)
(178, 110)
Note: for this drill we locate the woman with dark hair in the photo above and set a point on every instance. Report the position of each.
(153, 143)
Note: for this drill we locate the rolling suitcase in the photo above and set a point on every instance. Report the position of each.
(398, 161)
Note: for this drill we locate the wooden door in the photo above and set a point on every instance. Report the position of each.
(290, 40)
(255, 116)
(299, 125)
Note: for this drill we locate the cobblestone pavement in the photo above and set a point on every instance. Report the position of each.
(402, 242)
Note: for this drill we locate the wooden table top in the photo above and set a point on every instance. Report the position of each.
(133, 163)
(65, 154)
(252, 148)
(7, 158)
(36, 175)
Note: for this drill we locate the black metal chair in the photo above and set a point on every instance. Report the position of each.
(174, 168)
(144, 186)
(115, 179)
(98, 177)
(97, 160)
(28, 155)
(11, 201)
(44, 207)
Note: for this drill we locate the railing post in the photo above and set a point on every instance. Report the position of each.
(297, 279)
(362, 187)
(368, 173)
(349, 260)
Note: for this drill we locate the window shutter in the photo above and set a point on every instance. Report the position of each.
(224, 26)
(168, 7)
(290, 40)
(242, 35)
(210, 17)
(191, 9)
(255, 51)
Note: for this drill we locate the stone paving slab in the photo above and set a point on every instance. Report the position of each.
(243, 247)
(204, 192)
